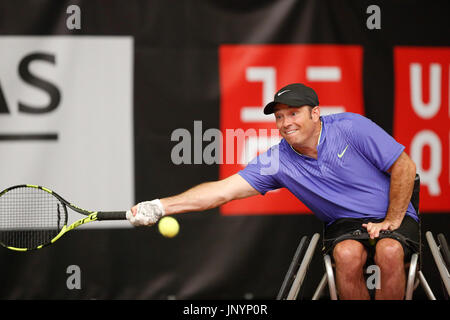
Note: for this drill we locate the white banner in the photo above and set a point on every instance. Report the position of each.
(66, 118)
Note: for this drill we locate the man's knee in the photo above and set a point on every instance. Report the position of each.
(350, 254)
(389, 253)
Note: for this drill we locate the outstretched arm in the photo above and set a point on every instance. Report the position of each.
(204, 196)
(209, 195)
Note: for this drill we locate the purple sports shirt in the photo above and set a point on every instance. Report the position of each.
(348, 179)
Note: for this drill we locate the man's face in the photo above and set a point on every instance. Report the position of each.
(296, 124)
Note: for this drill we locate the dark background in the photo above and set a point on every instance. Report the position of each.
(176, 81)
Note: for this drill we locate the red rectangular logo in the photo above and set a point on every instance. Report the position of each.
(249, 77)
(422, 119)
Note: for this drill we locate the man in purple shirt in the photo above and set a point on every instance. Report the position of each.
(354, 177)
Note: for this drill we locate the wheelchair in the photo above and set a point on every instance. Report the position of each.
(441, 256)
(296, 273)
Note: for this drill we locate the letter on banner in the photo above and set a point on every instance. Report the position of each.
(426, 110)
(428, 177)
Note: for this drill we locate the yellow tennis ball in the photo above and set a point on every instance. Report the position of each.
(168, 227)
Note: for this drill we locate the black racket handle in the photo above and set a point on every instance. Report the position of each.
(112, 215)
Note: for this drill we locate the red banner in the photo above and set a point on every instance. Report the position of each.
(422, 119)
(249, 77)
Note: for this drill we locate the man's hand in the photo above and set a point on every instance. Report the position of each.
(146, 213)
(374, 229)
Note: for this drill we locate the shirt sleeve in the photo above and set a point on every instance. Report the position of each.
(261, 172)
(375, 143)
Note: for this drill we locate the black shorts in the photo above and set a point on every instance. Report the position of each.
(351, 228)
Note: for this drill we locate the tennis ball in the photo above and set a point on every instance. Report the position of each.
(168, 227)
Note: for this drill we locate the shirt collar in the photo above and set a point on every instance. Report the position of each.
(321, 128)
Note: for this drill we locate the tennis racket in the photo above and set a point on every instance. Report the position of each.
(32, 217)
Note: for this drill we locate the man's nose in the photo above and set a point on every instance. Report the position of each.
(287, 121)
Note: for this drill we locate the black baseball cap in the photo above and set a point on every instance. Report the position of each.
(293, 95)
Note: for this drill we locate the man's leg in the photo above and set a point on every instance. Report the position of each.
(350, 257)
(389, 257)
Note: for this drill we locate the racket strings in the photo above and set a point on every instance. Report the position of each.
(30, 217)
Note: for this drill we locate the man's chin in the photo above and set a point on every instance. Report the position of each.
(290, 139)
(291, 142)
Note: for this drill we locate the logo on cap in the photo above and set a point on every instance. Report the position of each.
(280, 93)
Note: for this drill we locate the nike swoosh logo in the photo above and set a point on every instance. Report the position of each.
(342, 153)
(280, 93)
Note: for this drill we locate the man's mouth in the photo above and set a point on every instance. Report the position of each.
(289, 132)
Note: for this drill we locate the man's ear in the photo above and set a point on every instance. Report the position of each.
(315, 113)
